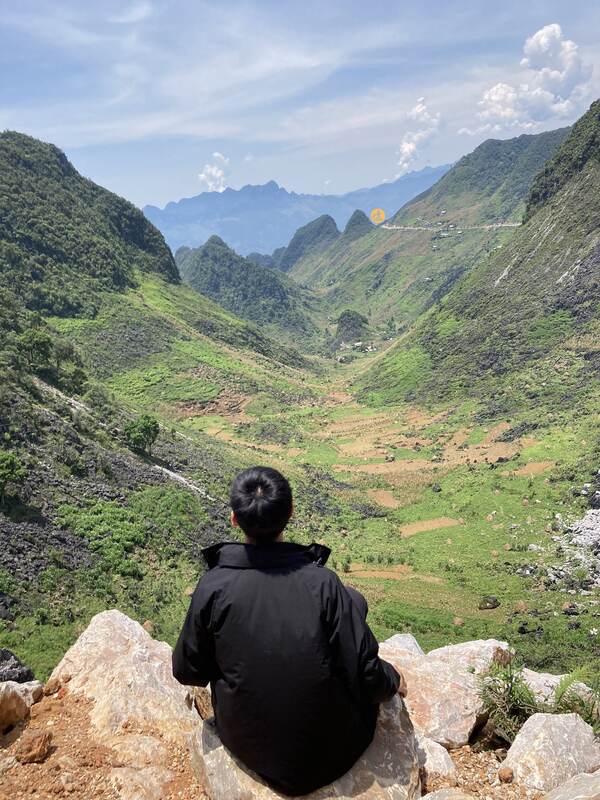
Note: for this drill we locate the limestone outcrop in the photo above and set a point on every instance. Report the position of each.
(552, 748)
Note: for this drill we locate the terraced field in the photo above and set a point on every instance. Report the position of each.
(430, 512)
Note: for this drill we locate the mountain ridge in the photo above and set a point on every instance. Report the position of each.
(262, 217)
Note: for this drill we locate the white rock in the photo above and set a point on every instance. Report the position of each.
(128, 677)
(449, 794)
(551, 748)
(401, 641)
(542, 684)
(388, 770)
(582, 787)
(434, 759)
(443, 698)
(16, 700)
(478, 655)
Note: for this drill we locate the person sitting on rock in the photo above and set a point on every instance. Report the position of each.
(295, 675)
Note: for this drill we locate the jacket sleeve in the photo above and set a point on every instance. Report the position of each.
(194, 661)
(355, 649)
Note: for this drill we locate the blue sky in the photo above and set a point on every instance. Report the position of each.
(159, 99)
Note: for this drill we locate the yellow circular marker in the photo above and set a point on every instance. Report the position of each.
(377, 216)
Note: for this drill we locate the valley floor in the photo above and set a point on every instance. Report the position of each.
(445, 519)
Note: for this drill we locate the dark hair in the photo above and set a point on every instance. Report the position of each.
(261, 499)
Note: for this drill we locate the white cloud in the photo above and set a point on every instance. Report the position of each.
(426, 125)
(135, 13)
(214, 177)
(555, 82)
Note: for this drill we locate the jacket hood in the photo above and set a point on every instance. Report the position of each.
(265, 556)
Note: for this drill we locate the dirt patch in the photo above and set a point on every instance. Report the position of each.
(77, 766)
(477, 775)
(496, 431)
(529, 470)
(228, 404)
(399, 572)
(427, 525)
(388, 467)
(384, 498)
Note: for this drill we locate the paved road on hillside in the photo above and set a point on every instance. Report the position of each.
(456, 228)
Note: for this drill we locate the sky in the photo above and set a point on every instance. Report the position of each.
(161, 99)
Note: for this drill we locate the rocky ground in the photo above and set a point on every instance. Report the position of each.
(113, 724)
(57, 755)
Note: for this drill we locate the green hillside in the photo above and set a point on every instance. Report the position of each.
(260, 295)
(99, 342)
(123, 421)
(397, 273)
(314, 237)
(62, 238)
(530, 309)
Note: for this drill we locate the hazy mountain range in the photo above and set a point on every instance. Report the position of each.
(265, 217)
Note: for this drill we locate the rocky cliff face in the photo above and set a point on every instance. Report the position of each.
(113, 723)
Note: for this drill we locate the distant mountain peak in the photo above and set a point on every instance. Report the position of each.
(260, 218)
(214, 240)
(358, 225)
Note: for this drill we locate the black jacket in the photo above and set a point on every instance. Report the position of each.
(293, 666)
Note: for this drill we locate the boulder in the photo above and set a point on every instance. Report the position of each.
(552, 748)
(128, 675)
(399, 642)
(434, 760)
(16, 700)
(443, 697)
(137, 706)
(12, 669)
(388, 770)
(542, 684)
(449, 794)
(478, 655)
(581, 787)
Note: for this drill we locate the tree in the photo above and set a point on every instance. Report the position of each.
(36, 346)
(12, 470)
(141, 433)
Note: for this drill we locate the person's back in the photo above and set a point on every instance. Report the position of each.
(293, 666)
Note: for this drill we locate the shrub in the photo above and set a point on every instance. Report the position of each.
(12, 471)
(141, 433)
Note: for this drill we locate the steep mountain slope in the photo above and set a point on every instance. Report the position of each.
(318, 235)
(99, 504)
(529, 311)
(409, 262)
(261, 295)
(62, 238)
(263, 218)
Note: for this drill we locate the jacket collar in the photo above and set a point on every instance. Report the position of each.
(265, 556)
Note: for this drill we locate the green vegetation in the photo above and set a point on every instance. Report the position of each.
(260, 295)
(351, 326)
(12, 473)
(530, 305)
(436, 483)
(62, 238)
(142, 432)
(510, 702)
(581, 147)
(314, 237)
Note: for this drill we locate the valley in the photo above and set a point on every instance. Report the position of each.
(434, 406)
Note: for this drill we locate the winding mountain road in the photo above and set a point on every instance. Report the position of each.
(431, 229)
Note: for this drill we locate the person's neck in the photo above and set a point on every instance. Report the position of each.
(249, 540)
